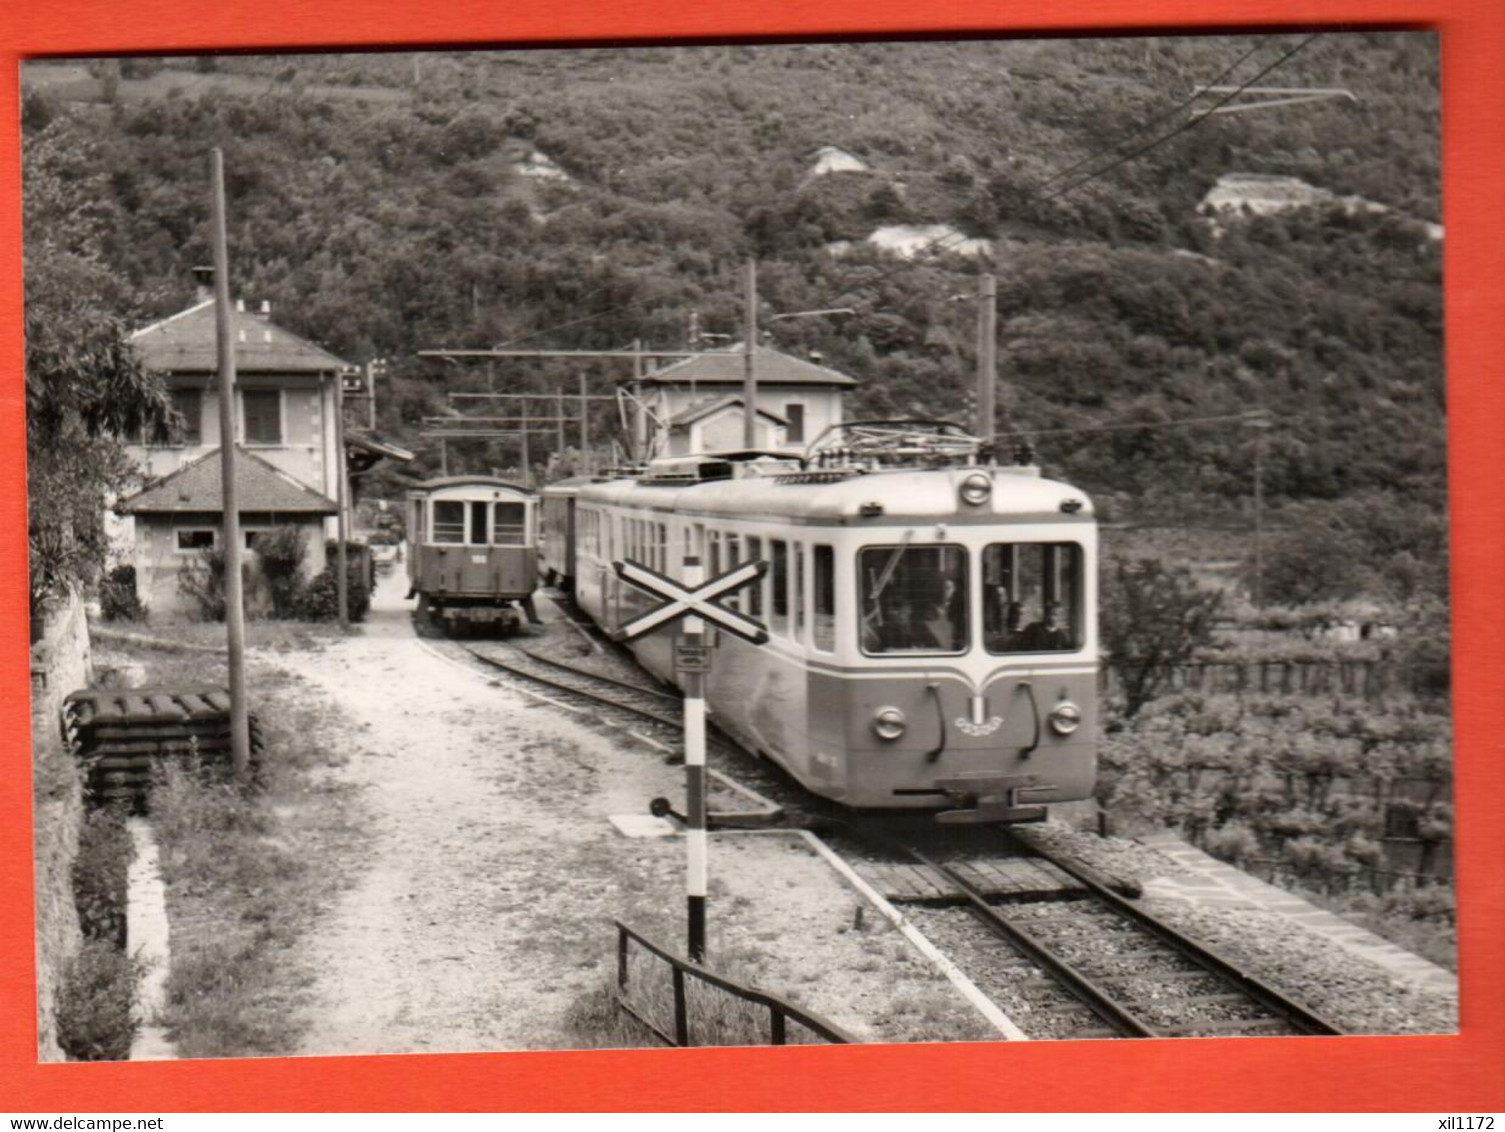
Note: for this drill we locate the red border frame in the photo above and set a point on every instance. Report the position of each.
(1404, 1074)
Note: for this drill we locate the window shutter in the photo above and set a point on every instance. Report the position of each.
(263, 410)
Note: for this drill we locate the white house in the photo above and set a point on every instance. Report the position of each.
(286, 464)
(695, 405)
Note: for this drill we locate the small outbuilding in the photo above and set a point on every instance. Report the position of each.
(180, 515)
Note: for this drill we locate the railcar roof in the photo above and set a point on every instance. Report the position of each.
(469, 481)
(903, 494)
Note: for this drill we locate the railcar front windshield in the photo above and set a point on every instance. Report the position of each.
(1032, 597)
(913, 599)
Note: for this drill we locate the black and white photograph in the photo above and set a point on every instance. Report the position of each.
(738, 545)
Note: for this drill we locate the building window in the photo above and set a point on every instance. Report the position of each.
(191, 540)
(795, 415)
(189, 405)
(262, 410)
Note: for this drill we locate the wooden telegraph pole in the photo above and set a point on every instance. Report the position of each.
(342, 579)
(235, 623)
(749, 364)
(987, 357)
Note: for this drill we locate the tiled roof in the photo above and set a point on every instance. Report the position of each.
(702, 409)
(198, 486)
(185, 343)
(726, 367)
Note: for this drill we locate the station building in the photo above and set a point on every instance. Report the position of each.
(286, 463)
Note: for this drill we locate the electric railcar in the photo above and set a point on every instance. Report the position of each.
(556, 532)
(932, 619)
(472, 550)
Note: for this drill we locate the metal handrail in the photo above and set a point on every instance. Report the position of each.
(780, 1009)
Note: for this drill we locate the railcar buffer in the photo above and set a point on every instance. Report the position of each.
(682, 600)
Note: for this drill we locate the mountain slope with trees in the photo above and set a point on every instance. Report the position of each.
(386, 227)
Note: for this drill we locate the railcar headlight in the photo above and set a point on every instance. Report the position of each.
(976, 489)
(889, 723)
(1065, 718)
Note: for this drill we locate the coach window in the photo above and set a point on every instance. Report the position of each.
(509, 524)
(449, 521)
(913, 599)
(1032, 597)
(733, 600)
(825, 599)
(755, 591)
(712, 553)
(779, 586)
(478, 534)
(661, 547)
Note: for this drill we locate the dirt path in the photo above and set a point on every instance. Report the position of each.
(462, 932)
(480, 909)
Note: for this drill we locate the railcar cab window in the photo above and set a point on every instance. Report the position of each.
(449, 521)
(508, 524)
(913, 599)
(1032, 597)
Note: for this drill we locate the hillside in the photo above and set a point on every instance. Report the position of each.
(389, 203)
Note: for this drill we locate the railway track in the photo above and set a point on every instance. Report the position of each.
(1081, 961)
(578, 687)
(1089, 962)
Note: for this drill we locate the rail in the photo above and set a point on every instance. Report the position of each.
(780, 1011)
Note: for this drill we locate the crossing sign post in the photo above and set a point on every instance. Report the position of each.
(693, 604)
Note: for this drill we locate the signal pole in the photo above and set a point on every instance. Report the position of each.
(235, 623)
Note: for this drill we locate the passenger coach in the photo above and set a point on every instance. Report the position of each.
(933, 629)
(472, 553)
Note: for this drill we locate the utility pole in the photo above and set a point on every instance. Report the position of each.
(639, 421)
(1261, 425)
(235, 624)
(585, 428)
(749, 370)
(559, 412)
(527, 463)
(443, 457)
(342, 579)
(987, 357)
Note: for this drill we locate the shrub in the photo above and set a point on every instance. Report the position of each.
(100, 872)
(117, 596)
(320, 601)
(202, 581)
(96, 1004)
(282, 551)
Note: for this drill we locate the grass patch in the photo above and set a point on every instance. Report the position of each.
(716, 1017)
(96, 1003)
(249, 871)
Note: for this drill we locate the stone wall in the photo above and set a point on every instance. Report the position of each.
(60, 663)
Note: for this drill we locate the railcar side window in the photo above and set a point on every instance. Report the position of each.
(755, 591)
(798, 550)
(825, 599)
(1032, 597)
(509, 524)
(778, 577)
(449, 521)
(913, 599)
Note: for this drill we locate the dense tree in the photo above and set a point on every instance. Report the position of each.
(85, 389)
(1151, 617)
